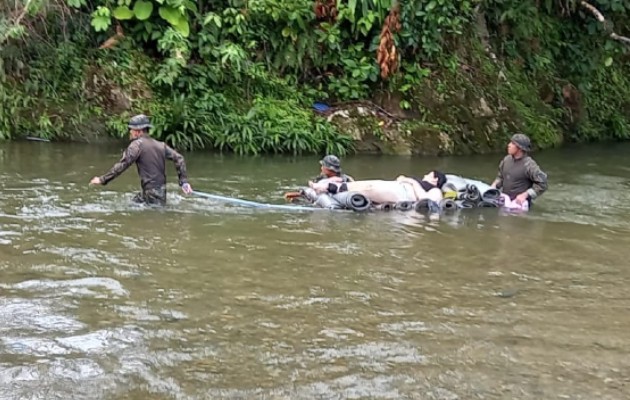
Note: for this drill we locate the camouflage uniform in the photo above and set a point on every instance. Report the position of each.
(156, 197)
(516, 176)
(150, 157)
(521, 175)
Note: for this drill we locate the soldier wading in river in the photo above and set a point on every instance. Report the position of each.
(150, 157)
(519, 176)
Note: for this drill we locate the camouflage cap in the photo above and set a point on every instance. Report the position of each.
(139, 122)
(331, 162)
(522, 142)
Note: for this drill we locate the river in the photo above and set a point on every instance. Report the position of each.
(101, 299)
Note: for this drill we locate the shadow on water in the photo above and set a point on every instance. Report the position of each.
(100, 298)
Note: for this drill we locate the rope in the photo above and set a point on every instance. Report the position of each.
(254, 204)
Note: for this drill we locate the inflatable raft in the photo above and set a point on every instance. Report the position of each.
(458, 192)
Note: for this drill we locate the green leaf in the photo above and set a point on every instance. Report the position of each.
(431, 5)
(182, 27)
(171, 15)
(190, 6)
(212, 17)
(352, 6)
(608, 62)
(100, 23)
(122, 13)
(76, 3)
(143, 9)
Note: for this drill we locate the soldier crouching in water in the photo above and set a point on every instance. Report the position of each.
(150, 157)
(331, 167)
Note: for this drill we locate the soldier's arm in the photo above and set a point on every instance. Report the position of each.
(318, 178)
(180, 164)
(129, 156)
(498, 181)
(329, 185)
(538, 177)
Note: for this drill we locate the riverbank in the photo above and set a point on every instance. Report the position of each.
(437, 79)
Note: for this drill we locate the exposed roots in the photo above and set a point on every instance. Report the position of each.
(386, 54)
(113, 41)
(326, 10)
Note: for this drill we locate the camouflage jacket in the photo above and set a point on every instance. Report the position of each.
(516, 176)
(150, 157)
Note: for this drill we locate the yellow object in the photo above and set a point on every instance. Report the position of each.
(450, 195)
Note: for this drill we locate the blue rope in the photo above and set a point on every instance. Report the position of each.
(254, 204)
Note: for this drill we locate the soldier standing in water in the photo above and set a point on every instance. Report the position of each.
(150, 157)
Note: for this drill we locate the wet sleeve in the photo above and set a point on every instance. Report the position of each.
(180, 164)
(538, 178)
(130, 155)
(499, 178)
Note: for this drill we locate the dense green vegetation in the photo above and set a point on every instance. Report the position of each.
(242, 75)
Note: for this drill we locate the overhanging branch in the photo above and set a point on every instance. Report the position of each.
(600, 17)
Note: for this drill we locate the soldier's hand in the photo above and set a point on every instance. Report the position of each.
(521, 198)
(96, 181)
(290, 196)
(186, 188)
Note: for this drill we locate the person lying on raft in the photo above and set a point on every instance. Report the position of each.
(383, 192)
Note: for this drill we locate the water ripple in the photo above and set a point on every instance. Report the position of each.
(104, 299)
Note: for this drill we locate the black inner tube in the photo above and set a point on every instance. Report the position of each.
(353, 200)
(422, 205)
(427, 206)
(491, 194)
(385, 207)
(488, 204)
(404, 205)
(465, 204)
(448, 204)
(472, 193)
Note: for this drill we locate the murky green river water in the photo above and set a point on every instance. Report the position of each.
(100, 299)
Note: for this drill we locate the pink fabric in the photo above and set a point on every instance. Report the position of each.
(513, 205)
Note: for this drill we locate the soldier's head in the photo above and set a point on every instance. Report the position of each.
(138, 125)
(330, 165)
(519, 145)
